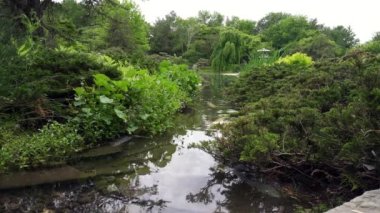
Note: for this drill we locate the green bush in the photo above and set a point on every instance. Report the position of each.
(324, 115)
(137, 103)
(38, 82)
(258, 147)
(296, 59)
(186, 79)
(53, 143)
(118, 100)
(371, 46)
(99, 109)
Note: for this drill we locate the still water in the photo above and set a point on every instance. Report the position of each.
(160, 174)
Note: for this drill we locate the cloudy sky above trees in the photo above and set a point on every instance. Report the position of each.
(363, 16)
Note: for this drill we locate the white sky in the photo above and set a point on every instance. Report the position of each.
(363, 16)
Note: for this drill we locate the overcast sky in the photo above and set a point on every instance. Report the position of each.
(363, 16)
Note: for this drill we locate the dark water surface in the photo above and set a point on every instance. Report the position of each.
(161, 174)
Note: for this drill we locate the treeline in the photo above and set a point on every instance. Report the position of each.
(230, 42)
(120, 31)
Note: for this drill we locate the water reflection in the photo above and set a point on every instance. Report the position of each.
(160, 174)
(187, 170)
(231, 194)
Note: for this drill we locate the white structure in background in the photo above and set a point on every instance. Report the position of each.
(264, 53)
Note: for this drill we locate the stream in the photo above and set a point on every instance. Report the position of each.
(159, 174)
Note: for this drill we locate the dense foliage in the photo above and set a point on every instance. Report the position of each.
(75, 74)
(71, 79)
(232, 48)
(53, 143)
(135, 103)
(42, 78)
(297, 59)
(318, 123)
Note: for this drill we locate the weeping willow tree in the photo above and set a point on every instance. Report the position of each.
(233, 47)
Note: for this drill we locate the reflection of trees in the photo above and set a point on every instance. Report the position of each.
(214, 84)
(157, 151)
(205, 195)
(237, 195)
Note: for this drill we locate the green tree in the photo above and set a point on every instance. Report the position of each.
(376, 37)
(342, 36)
(371, 46)
(127, 29)
(317, 46)
(163, 34)
(212, 20)
(289, 29)
(231, 48)
(269, 20)
(202, 44)
(246, 26)
(186, 30)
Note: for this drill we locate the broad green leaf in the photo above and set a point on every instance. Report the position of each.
(123, 85)
(79, 103)
(132, 128)
(144, 116)
(105, 100)
(101, 79)
(121, 114)
(87, 111)
(79, 91)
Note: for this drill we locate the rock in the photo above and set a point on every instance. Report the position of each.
(121, 141)
(86, 198)
(220, 121)
(201, 63)
(369, 202)
(47, 211)
(211, 105)
(369, 167)
(261, 205)
(275, 209)
(112, 188)
(231, 74)
(231, 111)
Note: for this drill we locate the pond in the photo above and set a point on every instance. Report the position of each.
(160, 174)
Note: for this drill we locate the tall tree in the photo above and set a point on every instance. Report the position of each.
(289, 29)
(269, 20)
(343, 36)
(28, 7)
(127, 29)
(202, 43)
(317, 46)
(246, 26)
(212, 20)
(163, 34)
(232, 47)
(376, 36)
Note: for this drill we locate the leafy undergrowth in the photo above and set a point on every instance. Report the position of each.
(313, 124)
(37, 83)
(102, 100)
(52, 144)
